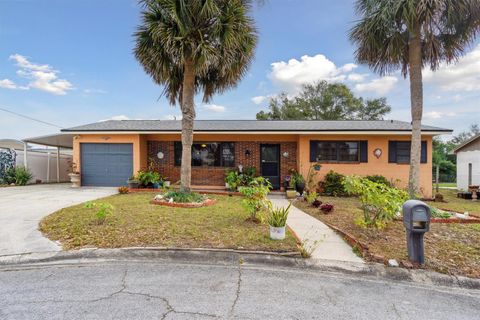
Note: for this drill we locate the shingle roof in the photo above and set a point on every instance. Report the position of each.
(472, 139)
(251, 125)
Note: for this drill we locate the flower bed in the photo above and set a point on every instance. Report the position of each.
(206, 202)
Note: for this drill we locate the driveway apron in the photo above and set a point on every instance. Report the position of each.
(22, 208)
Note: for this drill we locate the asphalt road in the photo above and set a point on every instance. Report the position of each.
(139, 290)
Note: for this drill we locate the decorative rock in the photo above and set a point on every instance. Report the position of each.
(393, 263)
(170, 200)
(159, 197)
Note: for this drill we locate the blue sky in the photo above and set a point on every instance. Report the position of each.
(71, 62)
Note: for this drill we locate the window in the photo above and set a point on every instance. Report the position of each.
(211, 154)
(399, 152)
(338, 151)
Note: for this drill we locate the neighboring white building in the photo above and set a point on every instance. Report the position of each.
(468, 163)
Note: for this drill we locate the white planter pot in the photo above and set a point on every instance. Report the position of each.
(75, 179)
(166, 183)
(277, 233)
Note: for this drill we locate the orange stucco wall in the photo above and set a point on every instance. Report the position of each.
(374, 166)
(391, 171)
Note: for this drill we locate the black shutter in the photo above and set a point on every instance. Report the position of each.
(392, 151)
(423, 153)
(363, 151)
(313, 151)
(177, 151)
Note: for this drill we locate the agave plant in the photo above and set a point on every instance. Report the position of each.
(277, 217)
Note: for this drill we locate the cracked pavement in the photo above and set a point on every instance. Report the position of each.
(166, 290)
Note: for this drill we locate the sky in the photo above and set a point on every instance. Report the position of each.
(70, 62)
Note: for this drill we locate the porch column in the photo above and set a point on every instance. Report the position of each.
(48, 166)
(25, 150)
(58, 164)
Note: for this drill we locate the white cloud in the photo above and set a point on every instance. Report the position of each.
(42, 76)
(119, 118)
(9, 84)
(438, 115)
(357, 77)
(214, 107)
(291, 75)
(171, 117)
(379, 86)
(259, 99)
(461, 76)
(92, 91)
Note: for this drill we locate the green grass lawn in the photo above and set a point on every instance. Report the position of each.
(449, 248)
(135, 222)
(445, 185)
(456, 204)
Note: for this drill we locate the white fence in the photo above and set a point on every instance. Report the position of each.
(43, 165)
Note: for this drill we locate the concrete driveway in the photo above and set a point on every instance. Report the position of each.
(22, 208)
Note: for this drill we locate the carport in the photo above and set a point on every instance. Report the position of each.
(58, 141)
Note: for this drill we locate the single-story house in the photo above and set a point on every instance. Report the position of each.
(468, 163)
(107, 153)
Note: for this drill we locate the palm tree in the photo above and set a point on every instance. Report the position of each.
(410, 35)
(194, 46)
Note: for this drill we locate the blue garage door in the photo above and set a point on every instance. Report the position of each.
(106, 164)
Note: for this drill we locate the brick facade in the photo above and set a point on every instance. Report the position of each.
(214, 176)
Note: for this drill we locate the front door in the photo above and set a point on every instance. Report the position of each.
(270, 163)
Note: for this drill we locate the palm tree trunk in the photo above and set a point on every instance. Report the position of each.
(188, 116)
(416, 101)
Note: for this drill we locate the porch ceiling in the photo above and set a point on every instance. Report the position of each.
(62, 140)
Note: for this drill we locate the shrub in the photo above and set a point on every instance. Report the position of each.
(236, 179)
(148, 177)
(103, 210)
(380, 203)
(256, 196)
(184, 197)
(316, 203)
(332, 184)
(123, 190)
(277, 217)
(326, 208)
(18, 175)
(379, 179)
(311, 196)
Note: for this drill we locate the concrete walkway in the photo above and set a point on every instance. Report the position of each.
(326, 244)
(22, 208)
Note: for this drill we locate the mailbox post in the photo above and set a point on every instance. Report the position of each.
(416, 219)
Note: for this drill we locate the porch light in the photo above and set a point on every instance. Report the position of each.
(247, 152)
(160, 155)
(285, 154)
(203, 145)
(377, 153)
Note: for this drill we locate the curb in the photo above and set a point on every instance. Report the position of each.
(232, 257)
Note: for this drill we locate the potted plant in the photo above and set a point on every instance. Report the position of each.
(75, 177)
(148, 178)
(277, 220)
(133, 182)
(231, 180)
(300, 183)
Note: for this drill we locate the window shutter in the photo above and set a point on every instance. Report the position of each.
(177, 151)
(313, 151)
(392, 151)
(423, 154)
(363, 151)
